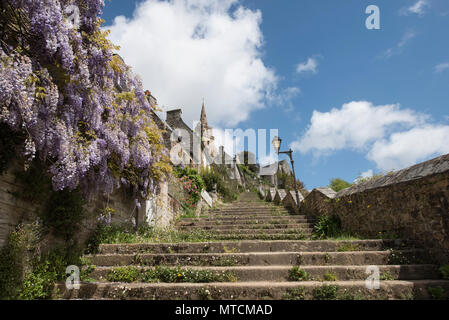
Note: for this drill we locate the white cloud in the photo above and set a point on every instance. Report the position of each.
(396, 50)
(392, 137)
(354, 126)
(310, 65)
(284, 99)
(189, 49)
(418, 8)
(403, 149)
(367, 174)
(442, 67)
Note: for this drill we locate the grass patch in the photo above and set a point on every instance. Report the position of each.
(348, 247)
(168, 275)
(330, 276)
(123, 274)
(295, 294)
(386, 276)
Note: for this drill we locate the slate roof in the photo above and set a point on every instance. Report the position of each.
(328, 192)
(269, 170)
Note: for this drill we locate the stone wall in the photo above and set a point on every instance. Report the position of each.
(412, 204)
(159, 211)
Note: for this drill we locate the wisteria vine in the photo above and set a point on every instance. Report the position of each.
(82, 110)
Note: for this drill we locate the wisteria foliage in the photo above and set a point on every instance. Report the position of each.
(83, 111)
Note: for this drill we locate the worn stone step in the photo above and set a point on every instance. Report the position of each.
(211, 222)
(257, 246)
(249, 211)
(257, 226)
(255, 216)
(263, 290)
(273, 230)
(251, 219)
(257, 258)
(259, 236)
(315, 273)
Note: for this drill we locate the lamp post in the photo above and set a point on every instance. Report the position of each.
(277, 146)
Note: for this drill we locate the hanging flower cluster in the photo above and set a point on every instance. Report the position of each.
(82, 110)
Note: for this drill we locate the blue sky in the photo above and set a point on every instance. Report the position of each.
(275, 64)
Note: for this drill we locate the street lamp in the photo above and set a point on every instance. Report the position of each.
(277, 146)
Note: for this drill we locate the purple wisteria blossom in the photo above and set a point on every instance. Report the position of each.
(82, 109)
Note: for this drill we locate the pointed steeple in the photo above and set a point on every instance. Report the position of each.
(203, 117)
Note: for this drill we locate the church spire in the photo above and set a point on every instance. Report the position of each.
(203, 117)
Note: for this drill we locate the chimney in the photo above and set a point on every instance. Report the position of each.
(173, 116)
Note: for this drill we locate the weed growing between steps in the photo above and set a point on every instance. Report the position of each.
(168, 275)
(386, 276)
(330, 276)
(437, 293)
(444, 271)
(297, 274)
(348, 247)
(327, 227)
(326, 292)
(295, 294)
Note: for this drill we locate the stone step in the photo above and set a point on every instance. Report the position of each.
(249, 211)
(243, 219)
(315, 273)
(254, 216)
(259, 258)
(272, 230)
(258, 236)
(236, 226)
(211, 222)
(417, 289)
(256, 246)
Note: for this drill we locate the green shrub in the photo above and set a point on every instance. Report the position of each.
(437, 293)
(13, 258)
(211, 179)
(326, 292)
(214, 178)
(297, 274)
(327, 227)
(444, 270)
(330, 276)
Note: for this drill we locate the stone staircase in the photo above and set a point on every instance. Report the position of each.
(260, 251)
